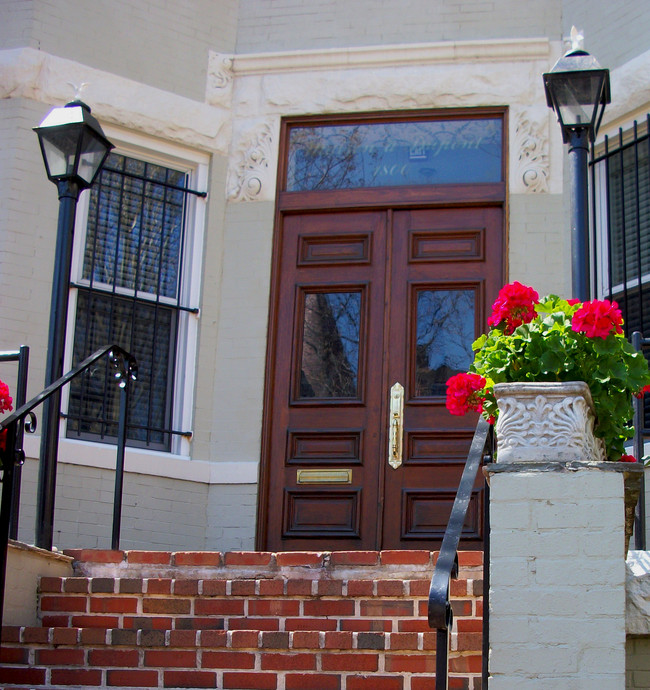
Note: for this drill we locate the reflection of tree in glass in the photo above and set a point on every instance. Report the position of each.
(134, 229)
(330, 161)
(445, 332)
(330, 345)
(395, 153)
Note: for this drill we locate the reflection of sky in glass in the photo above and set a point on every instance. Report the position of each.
(330, 349)
(445, 332)
(395, 153)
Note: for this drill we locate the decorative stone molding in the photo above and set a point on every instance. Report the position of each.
(530, 146)
(39, 76)
(253, 166)
(219, 79)
(546, 421)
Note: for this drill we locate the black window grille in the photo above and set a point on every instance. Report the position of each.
(624, 223)
(621, 175)
(129, 293)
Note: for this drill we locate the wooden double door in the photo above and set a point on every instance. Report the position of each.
(372, 311)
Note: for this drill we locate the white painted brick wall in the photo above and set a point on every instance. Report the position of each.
(604, 23)
(304, 24)
(540, 243)
(157, 513)
(140, 40)
(557, 573)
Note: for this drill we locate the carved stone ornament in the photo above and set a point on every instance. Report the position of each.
(531, 149)
(219, 79)
(250, 178)
(540, 422)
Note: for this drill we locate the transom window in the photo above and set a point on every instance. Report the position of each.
(131, 289)
(405, 153)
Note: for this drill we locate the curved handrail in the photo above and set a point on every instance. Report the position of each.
(124, 363)
(439, 611)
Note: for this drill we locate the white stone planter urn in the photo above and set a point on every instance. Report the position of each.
(546, 421)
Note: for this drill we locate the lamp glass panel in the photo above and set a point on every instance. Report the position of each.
(577, 97)
(60, 147)
(93, 151)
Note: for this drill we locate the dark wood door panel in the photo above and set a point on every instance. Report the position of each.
(363, 299)
(325, 405)
(446, 267)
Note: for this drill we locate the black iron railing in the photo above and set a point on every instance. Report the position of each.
(12, 454)
(22, 357)
(439, 611)
(641, 433)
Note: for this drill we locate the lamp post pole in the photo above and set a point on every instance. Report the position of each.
(580, 255)
(68, 196)
(577, 89)
(74, 149)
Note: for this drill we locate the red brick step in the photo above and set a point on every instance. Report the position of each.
(344, 620)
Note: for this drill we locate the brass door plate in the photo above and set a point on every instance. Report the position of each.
(337, 476)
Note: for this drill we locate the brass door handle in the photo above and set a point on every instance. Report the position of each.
(396, 425)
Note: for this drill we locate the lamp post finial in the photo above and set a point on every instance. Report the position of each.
(577, 39)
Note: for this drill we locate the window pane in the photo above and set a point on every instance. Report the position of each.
(445, 332)
(135, 228)
(629, 213)
(330, 345)
(395, 153)
(145, 330)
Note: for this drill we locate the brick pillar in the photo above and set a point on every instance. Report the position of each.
(557, 575)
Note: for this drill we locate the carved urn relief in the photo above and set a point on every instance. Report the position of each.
(546, 421)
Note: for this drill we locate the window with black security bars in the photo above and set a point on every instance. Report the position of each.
(129, 293)
(621, 175)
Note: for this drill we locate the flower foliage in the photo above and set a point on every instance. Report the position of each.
(554, 339)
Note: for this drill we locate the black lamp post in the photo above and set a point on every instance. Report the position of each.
(74, 149)
(577, 88)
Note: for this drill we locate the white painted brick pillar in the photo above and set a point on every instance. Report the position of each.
(557, 575)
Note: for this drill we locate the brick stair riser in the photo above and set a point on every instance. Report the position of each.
(278, 604)
(303, 621)
(237, 659)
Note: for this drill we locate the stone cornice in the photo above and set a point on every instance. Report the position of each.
(421, 54)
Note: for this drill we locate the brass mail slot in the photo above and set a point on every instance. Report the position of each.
(324, 477)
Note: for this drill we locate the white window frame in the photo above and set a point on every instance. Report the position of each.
(196, 165)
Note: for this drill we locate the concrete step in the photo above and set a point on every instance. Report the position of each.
(311, 620)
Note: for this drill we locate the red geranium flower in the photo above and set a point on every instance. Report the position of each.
(597, 319)
(464, 393)
(627, 458)
(642, 392)
(515, 305)
(5, 399)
